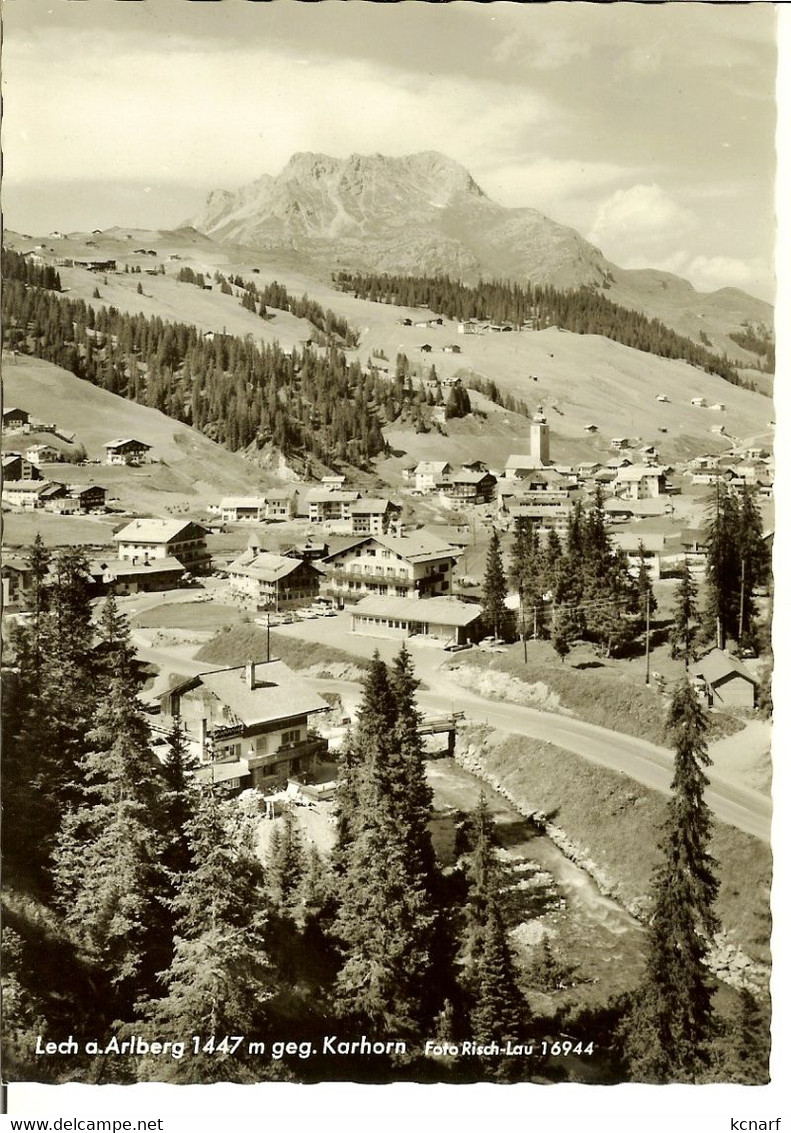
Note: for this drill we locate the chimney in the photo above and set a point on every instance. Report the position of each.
(249, 675)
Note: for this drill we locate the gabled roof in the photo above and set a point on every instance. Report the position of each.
(517, 461)
(431, 467)
(416, 547)
(279, 693)
(266, 566)
(243, 501)
(325, 495)
(372, 506)
(631, 540)
(717, 665)
(119, 568)
(155, 530)
(121, 441)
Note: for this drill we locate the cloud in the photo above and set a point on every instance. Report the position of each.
(711, 272)
(225, 119)
(639, 222)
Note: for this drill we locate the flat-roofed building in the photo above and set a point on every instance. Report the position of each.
(448, 620)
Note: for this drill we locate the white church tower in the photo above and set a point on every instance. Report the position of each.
(539, 438)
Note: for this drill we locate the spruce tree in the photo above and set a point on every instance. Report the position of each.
(220, 977)
(684, 628)
(670, 1027)
(498, 1011)
(385, 922)
(495, 615)
(110, 878)
(285, 862)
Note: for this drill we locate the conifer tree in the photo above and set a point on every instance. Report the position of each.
(498, 1010)
(385, 922)
(494, 613)
(110, 879)
(220, 977)
(669, 1030)
(684, 628)
(285, 862)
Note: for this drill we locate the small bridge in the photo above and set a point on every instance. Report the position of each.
(436, 725)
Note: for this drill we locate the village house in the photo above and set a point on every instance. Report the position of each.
(145, 539)
(329, 505)
(447, 620)
(466, 488)
(429, 473)
(271, 581)
(14, 419)
(652, 544)
(543, 516)
(31, 494)
(119, 576)
(87, 497)
(723, 680)
(42, 454)
(18, 467)
(695, 549)
(126, 450)
(373, 516)
(414, 565)
(17, 577)
(249, 725)
(640, 481)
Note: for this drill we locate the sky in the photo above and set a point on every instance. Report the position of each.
(647, 127)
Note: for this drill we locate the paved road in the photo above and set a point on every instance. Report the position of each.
(648, 764)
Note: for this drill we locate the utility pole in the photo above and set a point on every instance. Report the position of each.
(648, 636)
(741, 603)
(267, 635)
(522, 608)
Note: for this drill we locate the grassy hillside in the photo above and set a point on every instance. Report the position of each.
(577, 379)
(616, 823)
(186, 467)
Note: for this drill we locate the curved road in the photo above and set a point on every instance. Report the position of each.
(648, 764)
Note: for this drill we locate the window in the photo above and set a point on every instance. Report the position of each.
(290, 737)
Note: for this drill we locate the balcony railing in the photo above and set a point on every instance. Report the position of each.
(302, 748)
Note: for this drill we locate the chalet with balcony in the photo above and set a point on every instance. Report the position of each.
(120, 576)
(647, 547)
(249, 725)
(467, 487)
(143, 540)
(273, 582)
(641, 481)
(126, 450)
(31, 494)
(330, 505)
(373, 516)
(43, 454)
(401, 566)
(17, 579)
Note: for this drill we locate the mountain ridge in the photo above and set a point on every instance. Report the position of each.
(425, 214)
